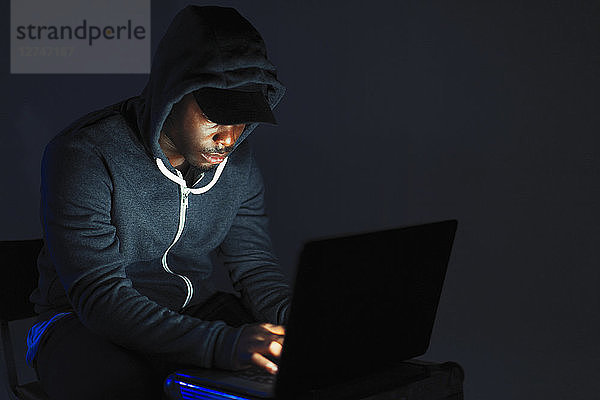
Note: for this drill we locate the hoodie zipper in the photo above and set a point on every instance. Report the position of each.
(183, 205)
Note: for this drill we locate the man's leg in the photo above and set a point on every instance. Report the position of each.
(74, 363)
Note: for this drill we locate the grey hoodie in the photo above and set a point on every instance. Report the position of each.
(128, 245)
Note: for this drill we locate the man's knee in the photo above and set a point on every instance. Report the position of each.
(75, 363)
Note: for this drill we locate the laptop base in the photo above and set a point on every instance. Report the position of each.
(410, 380)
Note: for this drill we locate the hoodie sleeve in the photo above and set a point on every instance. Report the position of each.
(247, 253)
(84, 248)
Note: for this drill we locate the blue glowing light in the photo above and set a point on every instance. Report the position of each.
(194, 392)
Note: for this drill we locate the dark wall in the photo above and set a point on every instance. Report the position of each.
(402, 112)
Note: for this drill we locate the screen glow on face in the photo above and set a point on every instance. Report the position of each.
(196, 139)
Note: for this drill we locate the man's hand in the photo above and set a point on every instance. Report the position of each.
(260, 345)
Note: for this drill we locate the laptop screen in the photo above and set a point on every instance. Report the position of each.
(362, 303)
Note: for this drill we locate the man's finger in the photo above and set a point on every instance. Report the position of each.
(276, 329)
(275, 349)
(267, 345)
(261, 361)
(277, 339)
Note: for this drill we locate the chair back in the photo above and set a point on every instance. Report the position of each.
(18, 277)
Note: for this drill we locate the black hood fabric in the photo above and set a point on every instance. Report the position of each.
(203, 47)
(128, 241)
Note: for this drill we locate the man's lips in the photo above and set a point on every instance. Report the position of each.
(214, 158)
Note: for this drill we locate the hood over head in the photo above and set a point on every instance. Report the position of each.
(204, 47)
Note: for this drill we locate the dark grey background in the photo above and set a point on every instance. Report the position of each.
(403, 112)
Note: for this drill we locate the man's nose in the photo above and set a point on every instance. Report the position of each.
(228, 135)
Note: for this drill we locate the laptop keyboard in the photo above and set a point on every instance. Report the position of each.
(256, 374)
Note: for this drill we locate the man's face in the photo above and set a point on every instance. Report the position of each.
(187, 135)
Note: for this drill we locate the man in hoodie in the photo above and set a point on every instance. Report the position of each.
(137, 200)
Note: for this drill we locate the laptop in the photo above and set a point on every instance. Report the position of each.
(361, 305)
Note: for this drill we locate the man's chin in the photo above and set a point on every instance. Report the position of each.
(207, 167)
(203, 166)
